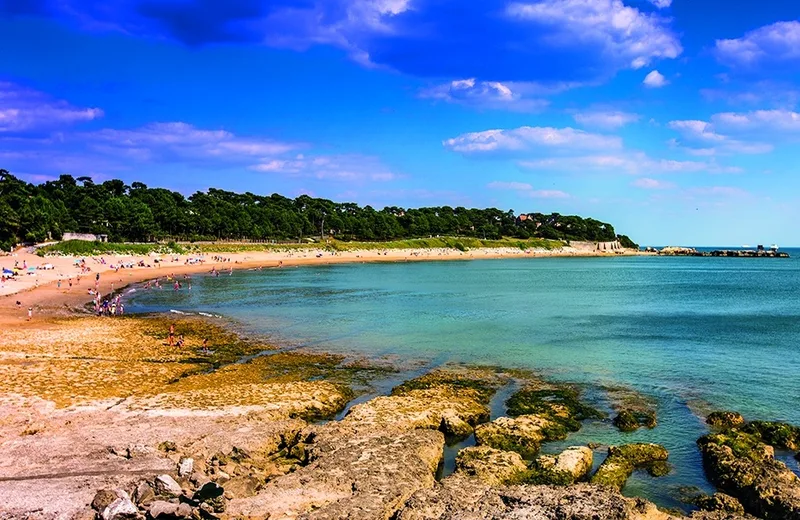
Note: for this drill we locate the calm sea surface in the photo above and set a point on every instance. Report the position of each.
(696, 334)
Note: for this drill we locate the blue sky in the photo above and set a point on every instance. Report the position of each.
(675, 120)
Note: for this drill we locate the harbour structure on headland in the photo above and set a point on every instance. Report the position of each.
(759, 252)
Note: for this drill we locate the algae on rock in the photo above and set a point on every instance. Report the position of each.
(622, 460)
(739, 464)
(725, 419)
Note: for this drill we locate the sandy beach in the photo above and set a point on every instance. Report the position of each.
(40, 289)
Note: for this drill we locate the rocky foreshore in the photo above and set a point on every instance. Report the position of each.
(132, 429)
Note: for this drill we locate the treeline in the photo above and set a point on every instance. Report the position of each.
(138, 213)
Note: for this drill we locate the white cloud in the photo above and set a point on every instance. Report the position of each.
(652, 184)
(696, 129)
(187, 141)
(23, 110)
(622, 32)
(350, 168)
(526, 137)
(778, 120)
(605, 119)
(705, 132)
(526, 190)
(633, 163)
(655, 80)
(778, 43)
(486, 94)
(178, 143)
(661, 4)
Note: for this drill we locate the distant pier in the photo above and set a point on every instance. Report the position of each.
(759, 252)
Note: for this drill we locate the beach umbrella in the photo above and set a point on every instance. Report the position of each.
(8, 271)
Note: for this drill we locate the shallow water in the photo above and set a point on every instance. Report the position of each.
(694, 333)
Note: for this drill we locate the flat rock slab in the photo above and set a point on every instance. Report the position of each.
(459, 498)
(367, 475)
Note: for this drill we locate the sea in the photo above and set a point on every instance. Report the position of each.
(694, 334)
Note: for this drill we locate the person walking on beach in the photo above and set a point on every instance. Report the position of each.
(205, 345)
(171, 334)
(30, 313)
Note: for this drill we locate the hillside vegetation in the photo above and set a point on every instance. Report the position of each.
(138, 213)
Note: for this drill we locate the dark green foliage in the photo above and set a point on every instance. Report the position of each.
(137, 213)
(561, 405)
(626, 242)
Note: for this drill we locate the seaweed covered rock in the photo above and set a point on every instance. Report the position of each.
(739, 464)
(494, 467)
(453, 400)
(776, 434)
(568, 467)
(559, 404)
(719, 502)
(622, 460)
(523, 434)
(725, 419)
(634, 409)
(631, 420)
(482, 383)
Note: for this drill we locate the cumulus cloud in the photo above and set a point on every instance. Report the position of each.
(532, 40)
(623, 32)
(486, 94)
(528, 138)
(23, 110)
(661, 4)
(655, 80)
(771, 45)
(527, 190)
(605, 119)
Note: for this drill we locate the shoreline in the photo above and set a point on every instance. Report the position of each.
(42, 294)
(130, 394)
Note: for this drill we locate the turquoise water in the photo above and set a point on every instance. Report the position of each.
(694, 333)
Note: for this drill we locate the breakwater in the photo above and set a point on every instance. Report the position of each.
(735, 253)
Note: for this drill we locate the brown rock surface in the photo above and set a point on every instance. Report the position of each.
(364, 476)
(460, 498)
(740, 465)
(491, 466)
